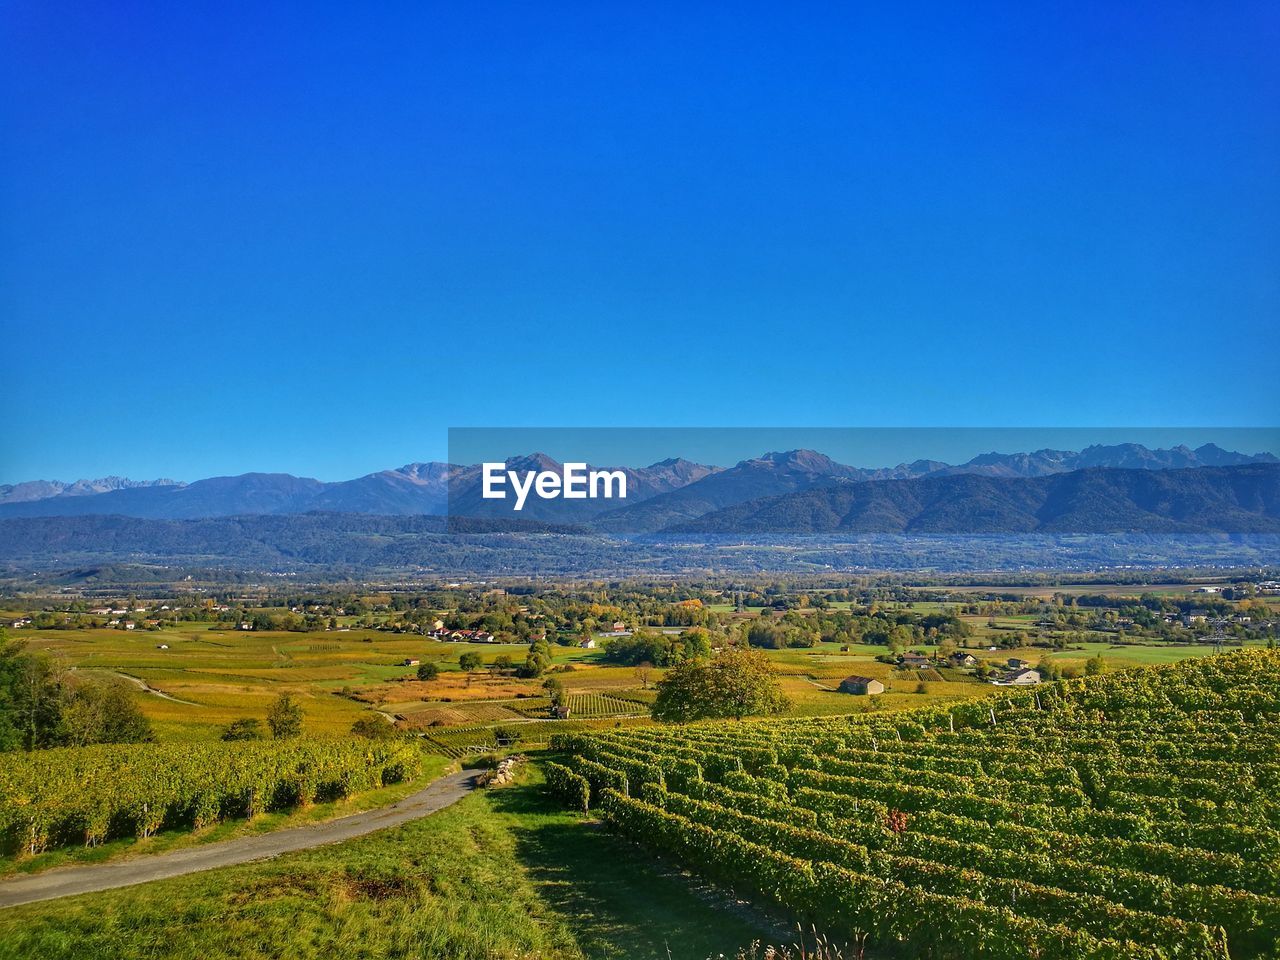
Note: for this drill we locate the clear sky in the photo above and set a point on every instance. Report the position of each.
(311, 238)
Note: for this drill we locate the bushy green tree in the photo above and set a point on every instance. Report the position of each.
(659, 649)
(43, 706)
(429, 670)
(373, 727)
(555, 691)
(246, 728)
(735, 683)
(537, 661)
(285, 717)
(102, 712)
(30, 700)
(507, 735)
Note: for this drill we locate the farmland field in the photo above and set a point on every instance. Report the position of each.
(193, 680)
(1128, 816)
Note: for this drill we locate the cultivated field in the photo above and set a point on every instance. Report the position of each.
(1128, 816)
(1050, 833)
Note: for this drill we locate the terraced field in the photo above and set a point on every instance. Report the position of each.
(1131, 816)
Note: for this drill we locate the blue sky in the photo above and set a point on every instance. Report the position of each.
(311, 238)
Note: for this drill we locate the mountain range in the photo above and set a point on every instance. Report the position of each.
(1095, 500)
(671, 494)
(45, 489)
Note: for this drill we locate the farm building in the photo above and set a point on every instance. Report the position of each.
(861, 685)
(915, 661)
(409, 662)
(962, 659)
(587, 644)
(1016, 664)
(462, 636)
(1018, 678)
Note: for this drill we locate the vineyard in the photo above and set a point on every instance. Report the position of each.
(589, 705)
(1131, 816)
(456, 742)
(70, 795)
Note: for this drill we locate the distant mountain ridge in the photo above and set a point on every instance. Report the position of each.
(1222, 500)
(44, 489)
(775, 474)
(412, 490)
(662, 495)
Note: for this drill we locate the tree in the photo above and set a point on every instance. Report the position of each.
(696, 642)
(30, 706)
(470, 661)
(1094, 665)
(429, 670)
(507, 736)
(285, 717)
(43, 706)
(37, 695)
(643, 671)
(96, 712)
(373, 727)
(736, 683)
(555, 691)
(246, 728)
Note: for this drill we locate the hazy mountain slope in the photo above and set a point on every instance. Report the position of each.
(1202, 500)
(250, 493)
(417, 488)
(31, 490)
(771, 474)
(775, 474)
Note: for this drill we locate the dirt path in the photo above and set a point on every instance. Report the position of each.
(821, 686)
(68, 881)
(147, 688)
